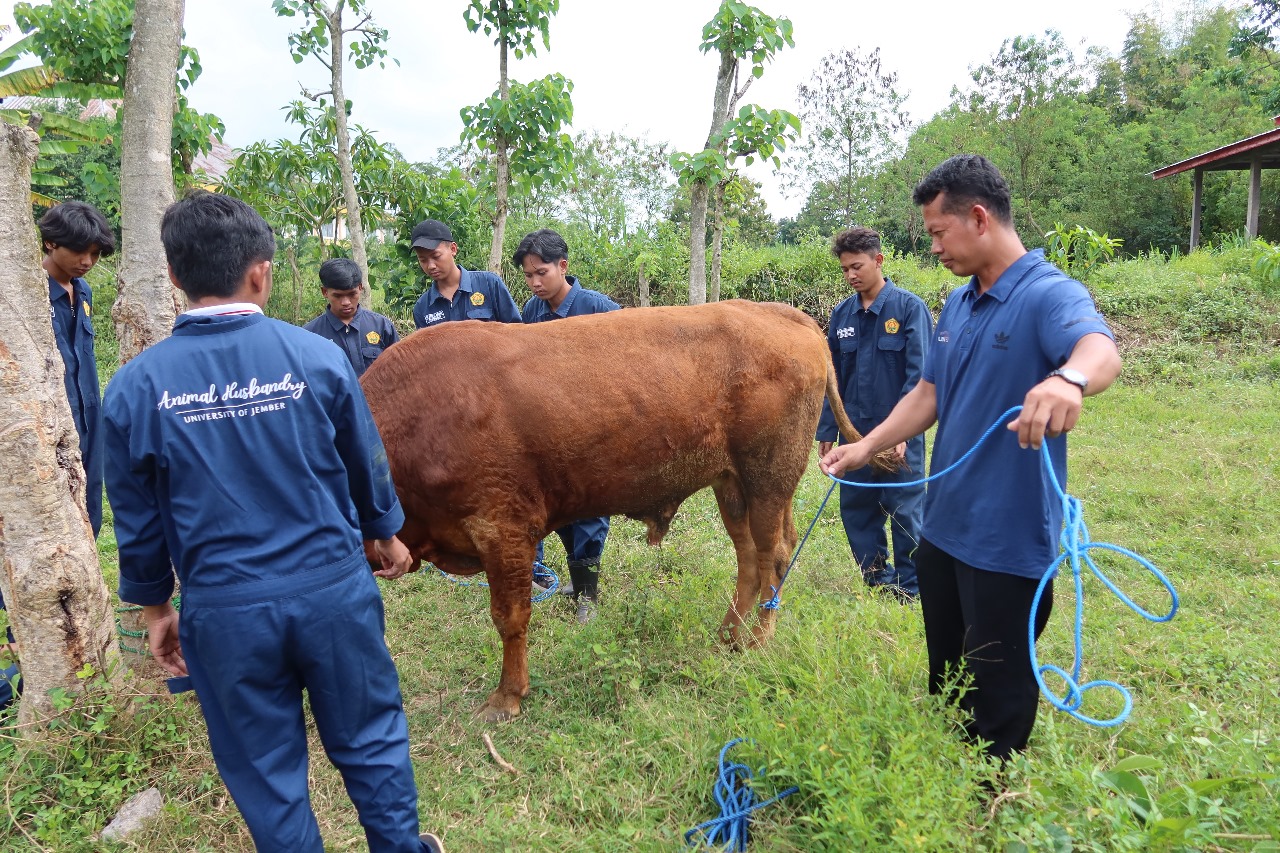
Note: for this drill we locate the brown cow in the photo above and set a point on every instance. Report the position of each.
(498, 434)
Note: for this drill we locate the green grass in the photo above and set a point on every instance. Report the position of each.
(617, 745)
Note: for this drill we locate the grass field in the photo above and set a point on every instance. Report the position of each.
(617, 746)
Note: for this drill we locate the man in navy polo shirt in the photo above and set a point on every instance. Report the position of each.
(544, 257)
(456, 293)
(74, 235)
(878, 338)
(1020, 332)
(241, 455)
(362, 334)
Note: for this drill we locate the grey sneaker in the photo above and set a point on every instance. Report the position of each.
(566, 588)
(586, 610)
(431, 843)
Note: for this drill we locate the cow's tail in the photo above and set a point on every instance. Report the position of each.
(881, 461)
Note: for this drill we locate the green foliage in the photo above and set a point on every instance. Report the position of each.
(63, 784)
(366, 48)
(746, 32)
(529, 124)
(514, 24)
(1077, 250)
(853, 117)
(85, 46)
(1267, 264)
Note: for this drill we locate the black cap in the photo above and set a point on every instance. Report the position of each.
(430, 233)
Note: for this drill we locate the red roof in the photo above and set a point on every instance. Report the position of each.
(1237, 155)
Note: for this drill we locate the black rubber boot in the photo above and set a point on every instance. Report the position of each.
(586, 581)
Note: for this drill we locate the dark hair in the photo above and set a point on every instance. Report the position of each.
(544, 243)
(77, 226)
(859, 241)
(210, 241)
(967, 179)
(340, 274)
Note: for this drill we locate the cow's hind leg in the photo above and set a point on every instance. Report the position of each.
(733, 511)
(774, 543)
(508, 565)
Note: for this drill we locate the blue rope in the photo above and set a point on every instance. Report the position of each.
(540, 571)
(1076, 545)
(737, 800)
(775, 602)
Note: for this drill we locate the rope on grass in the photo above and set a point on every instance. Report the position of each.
(1076, 544)
(737, 800)
(542, 573)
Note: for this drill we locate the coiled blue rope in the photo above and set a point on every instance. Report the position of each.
(737, 800)
(1075, 543)
(541, 573)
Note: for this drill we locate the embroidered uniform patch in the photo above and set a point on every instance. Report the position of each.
(373, 337)
(477, 299)
(891, 326)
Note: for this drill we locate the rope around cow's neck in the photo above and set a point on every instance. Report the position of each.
(1076, 545)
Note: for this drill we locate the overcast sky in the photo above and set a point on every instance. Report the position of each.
(635, 66)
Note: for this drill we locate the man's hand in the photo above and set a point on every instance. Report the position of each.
(162, 637)
(846, 457)
(824, 447)
(395, 558)
(899, 452)
(1050, 408)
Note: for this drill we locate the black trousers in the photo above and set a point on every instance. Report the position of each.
(975, 623)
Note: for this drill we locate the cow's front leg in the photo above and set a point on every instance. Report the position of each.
(508, 564)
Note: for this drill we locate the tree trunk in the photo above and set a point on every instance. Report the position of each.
(642, 281)
(51, 582)
(698, 243)
(700, 190)
(292, 254)
(355, 230)
(503, 166)
(717, 240)
(147, 303)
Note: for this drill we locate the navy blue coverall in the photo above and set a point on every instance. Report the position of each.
(241, 451)
(72, 318)
(879, 353)
(362, 340)
(584, 539)
(480, 296)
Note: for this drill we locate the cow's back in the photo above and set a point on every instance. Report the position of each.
(628, 412)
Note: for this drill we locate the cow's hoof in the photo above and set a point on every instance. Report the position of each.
(491, 712)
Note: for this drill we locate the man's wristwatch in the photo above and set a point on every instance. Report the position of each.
(1075, 377)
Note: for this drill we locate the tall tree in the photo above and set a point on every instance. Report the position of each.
(852, 112)
(323, 36)
(58, 603)
(147, 303)
(521, 126)
(738, 32)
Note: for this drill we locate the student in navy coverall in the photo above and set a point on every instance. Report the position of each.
(242, 450)
(456, 293)
(878, 339)
(74, 235)
(544, 257)
(362, 334)
(1019, 332)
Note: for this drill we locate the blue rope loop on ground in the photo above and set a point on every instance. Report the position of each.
(737, 800)
(1076, 545)
(542, 574)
